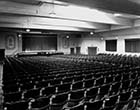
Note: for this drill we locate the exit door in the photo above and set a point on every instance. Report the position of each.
(92, 50)
(78, 50)
(71, 50)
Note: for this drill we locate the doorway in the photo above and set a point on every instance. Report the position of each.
(92, 50)
(71, 50)
(78, 50)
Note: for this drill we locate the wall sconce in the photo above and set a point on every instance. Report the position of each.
(102, 38)
(67, 37)
(19, 35)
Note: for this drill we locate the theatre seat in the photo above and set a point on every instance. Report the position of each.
(11, 88)
(110, 102)
(134, 83)
(63, 88)
(67, 80)
(99, 81)
(103, 91)
(20, 105)
(75, 98)
(77, 85)
(89, 83)
(125, 86)
(78, 107)
(91, 93)
(109, 79)
(12, 97)
(131, 104)
(115, 88)
(41, 103)
(136, 94)
(33, 93)
(97, 105)
(47, 91)
(123, 99)
(57, 101)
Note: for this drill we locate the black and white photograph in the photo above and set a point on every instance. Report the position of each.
(69, 54)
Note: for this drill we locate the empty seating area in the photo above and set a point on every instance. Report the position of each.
(71, 82)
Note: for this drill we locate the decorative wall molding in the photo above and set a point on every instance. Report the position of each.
(10, 41)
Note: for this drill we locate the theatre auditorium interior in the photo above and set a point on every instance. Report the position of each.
(69, 54)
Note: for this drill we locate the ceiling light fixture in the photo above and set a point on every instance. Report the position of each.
(56, 2)
(27, 30)
(117, 14)
(91, 33)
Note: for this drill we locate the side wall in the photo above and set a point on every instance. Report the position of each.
(64, 44)
(120, 36)
(85, 41)
(98, 40)
(10, 42)
(88, 40)
(120, 44)
(13, 44)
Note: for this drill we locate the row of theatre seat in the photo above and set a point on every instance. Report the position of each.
(67, 83)
(67, 86)
(108, 58)
(74, 99)
(115, 83)
(18, 79)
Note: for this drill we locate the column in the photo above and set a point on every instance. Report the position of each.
(2, 57)
(1, 85)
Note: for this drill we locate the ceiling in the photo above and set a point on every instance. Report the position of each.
(123, 6)
(70, 15)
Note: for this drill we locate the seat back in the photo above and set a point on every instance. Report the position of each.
(94, 106)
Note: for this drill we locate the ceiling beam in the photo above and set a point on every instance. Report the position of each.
(32, 2)
(44, 27)
(137, 22)
(62, 12)
(120, 32)
(29, 20)
(70, 23)
(45, 23)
